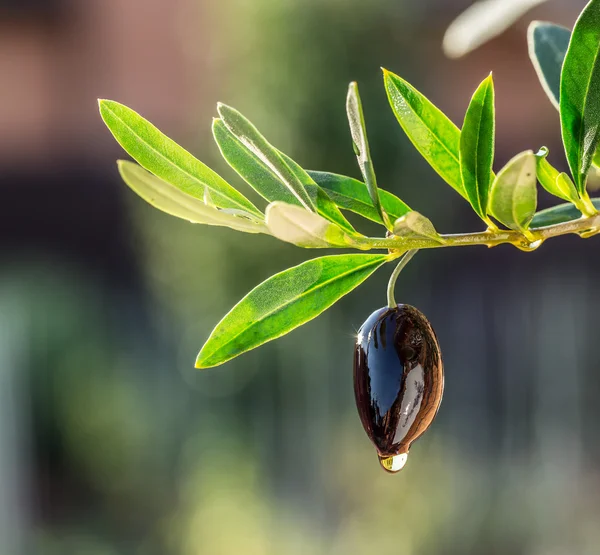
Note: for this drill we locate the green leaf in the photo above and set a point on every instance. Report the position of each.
(477, 147)
(430, 131)
(556, 183)
(297, 225)
(172, 200)
(285, 301)
(559, 214)
(351, 194)
(358, 130)
(580, 94)
(167, 160)
(267, 183)
(548, 45)
(513, 197)
(250, 167)
(249, 136)
(414, 224)
(565, 184)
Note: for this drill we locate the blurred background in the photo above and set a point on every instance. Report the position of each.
(112, 444)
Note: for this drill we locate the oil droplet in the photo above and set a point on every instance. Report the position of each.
(528, 247)
(394, 463)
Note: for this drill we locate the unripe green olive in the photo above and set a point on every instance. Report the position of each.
(398, 380)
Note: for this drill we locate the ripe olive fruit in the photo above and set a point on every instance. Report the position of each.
(398, 380)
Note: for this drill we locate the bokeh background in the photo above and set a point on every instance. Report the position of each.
(112, 444)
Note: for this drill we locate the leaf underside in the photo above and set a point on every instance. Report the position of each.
(173, 201)
(559, 214)
(300, 227)
(481, 22)
(513, 198)
(548, 45)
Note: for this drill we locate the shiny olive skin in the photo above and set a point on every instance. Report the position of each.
(398, 377)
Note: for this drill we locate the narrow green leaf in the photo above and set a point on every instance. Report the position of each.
(267, 183)
(351, 194)
(513, 197)
(580, 94)
(477, 147)
(414, 224)
(429, 129)
(559, 214)
(250, 167)
(249, 136)
(358, 130)
(167, 160)
(297, 225)
(548, 45)
(284, 302)
(172, 200)
(556, 183)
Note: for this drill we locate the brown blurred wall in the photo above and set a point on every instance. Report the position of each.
(54, 68)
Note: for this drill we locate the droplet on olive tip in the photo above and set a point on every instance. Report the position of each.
(398, 380)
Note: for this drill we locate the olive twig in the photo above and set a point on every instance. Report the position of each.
(589, 225)
(392, 283)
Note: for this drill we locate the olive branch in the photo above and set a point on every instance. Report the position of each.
(307, 208)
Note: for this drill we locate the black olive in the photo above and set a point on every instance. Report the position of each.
(398, 380)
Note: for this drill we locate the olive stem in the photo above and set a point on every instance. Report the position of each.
(587, 225)
(393, 278)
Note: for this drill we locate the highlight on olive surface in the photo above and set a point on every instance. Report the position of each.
(398, 380)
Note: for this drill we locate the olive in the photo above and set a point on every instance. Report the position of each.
(398, 380)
